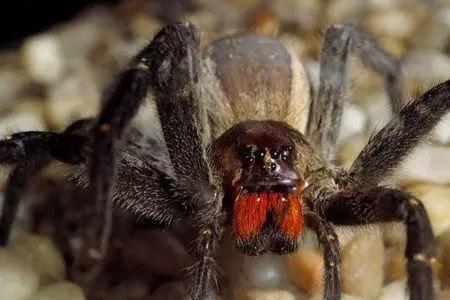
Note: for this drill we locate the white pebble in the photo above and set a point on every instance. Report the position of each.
(18, 279)
(429, 66)
(442, 132)
(395, 290)
(42, 253)
(20, 121)
(427, 163)
(42, 58)
(59, 291)
(353, 122)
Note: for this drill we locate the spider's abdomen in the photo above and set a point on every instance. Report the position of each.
(251, 77)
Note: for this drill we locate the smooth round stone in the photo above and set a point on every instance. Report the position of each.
(18, 279)
(362, 256)
(394, 290)
(305, 269)
(43, 255)
(398, 23)
(267, 295)
(266, 271)
(349, 149)
(395, 264)
(59, 291)
(426, 66)
(43, 58)
(435, 197)
(74, 97)
(442, 132)
(12, 82)
(354, 121)
(426, 163)
(21, 121)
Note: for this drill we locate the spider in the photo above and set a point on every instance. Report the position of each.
(243, 143)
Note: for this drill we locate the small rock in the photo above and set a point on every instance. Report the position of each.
(12, 82)
(398, 23)
(265, 271)
(444, 294)
(426, 163)
(43, 255)
(267, 295)
(59, 291)
(349, 150)
(76, 96)
(395, 264)
(18, 279)
(395, 290)
(21, 121)
(353, 122)
(43, 58)
(435, 197)
(442, 132)
(426, 66)
(305, 269)
(362, 270)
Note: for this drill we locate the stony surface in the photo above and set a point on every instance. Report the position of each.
(58, 76)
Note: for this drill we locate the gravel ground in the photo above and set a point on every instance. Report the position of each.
(58, 76)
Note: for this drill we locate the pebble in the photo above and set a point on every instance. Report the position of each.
(21, 121)
(426, 163)
(361, 257)
(441, 133)
(268, 295)
(18, 278)
(398, 23)
(426, 67)
(42, 58)
(43, 255)
(395, 290)
(305, 269)
(349, 149)
(12, 82)
(59, 291)
(353, 122)
(74, 97)
(435, 197)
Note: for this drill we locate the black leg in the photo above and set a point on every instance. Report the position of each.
(30, 152)
(385, 150)
(332, 258)
(326, 109)
(386, 205)
(183, 120)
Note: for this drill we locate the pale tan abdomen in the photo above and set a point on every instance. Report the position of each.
(251, 77)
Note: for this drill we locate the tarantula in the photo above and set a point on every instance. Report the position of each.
(244, 143)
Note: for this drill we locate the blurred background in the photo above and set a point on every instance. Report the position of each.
(57, 58)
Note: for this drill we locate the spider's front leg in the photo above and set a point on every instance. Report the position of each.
(387, 205)
(362, 201)
(186, 132)
(169, 68)
(326, 109)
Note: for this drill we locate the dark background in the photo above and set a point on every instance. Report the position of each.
(19, 18)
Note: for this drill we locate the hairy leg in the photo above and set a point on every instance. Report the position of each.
(386, 205)
(329, 241)
(326, 109)
(386, 149)
(183, 121)
(30, 152)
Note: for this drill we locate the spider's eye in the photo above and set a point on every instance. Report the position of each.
(286, 153)
(249, 156)
(259, 154)
(275, 154)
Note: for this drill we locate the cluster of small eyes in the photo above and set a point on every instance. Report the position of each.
(252, 153)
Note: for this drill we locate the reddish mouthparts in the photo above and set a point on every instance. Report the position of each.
(251, 210)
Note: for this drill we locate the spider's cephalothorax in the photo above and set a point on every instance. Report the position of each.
(259, 163)
(239, 134)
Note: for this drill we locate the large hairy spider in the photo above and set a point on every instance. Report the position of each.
(244, 143)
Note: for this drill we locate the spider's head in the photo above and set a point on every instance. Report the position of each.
(259, 159)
